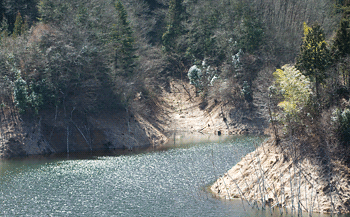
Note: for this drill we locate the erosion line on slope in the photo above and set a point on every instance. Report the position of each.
(299, 202)
(240, 192)
(313, 199)
(224, 118)
(297, 166)
(291, 189)
(311, 203)
(337, 180)
(245, 181)
(329, 177)
(276, 197)
(133, 138)
(87, 142)
(301, 211)
(273, 122)
(294, 165)
(267, 187)
(303, 174)
(282, 190)
(189, 94)
(258, 180)
(306, 197)
(262, 175)
(254, 190)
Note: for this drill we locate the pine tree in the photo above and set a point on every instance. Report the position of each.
(314, 57)
(342, 39)
(174, 26)
(201, 39)
(252, 33)
(124, 41)
(20, 26)
(341, 47)
(27, 8)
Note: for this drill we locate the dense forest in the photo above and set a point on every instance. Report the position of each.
(92, 56)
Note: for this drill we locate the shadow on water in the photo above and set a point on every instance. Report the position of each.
(178, 140)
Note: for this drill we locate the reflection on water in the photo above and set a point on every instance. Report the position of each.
(167, 182)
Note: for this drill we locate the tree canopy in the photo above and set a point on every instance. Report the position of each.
(314, 57)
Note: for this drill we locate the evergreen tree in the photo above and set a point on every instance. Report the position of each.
(314, 57)
(20, 26)
(341, 47)
(251, 33)
(124, 41)
(174, 26)
(27, 8)
(342, 39)
(201, 39)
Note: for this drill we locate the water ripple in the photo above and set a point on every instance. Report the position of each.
(158, 183)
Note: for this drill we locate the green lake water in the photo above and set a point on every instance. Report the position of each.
(170, 181)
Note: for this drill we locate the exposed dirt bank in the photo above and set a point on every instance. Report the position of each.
(52, 133)
(269, 176)
(176, 108)
(181, 110)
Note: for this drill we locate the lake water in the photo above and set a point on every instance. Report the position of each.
(170, 181)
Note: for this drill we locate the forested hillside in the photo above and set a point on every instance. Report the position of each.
(57, 47)
(95, 56)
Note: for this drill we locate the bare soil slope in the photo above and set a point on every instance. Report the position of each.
(185, 111)
(269, 176)
(149, 122)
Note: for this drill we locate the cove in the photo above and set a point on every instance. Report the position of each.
(167, 181)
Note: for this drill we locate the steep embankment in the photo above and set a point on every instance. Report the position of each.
(270, 176)
(182, 111)
(177, 108)
(53, 133)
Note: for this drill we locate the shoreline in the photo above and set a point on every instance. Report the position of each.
(176, 109)
(267, 176)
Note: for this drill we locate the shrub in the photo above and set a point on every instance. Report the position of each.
(20, 92)
(25, 98)
(194, 75)
(246, 92)
(314, 57)
(295, 89)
